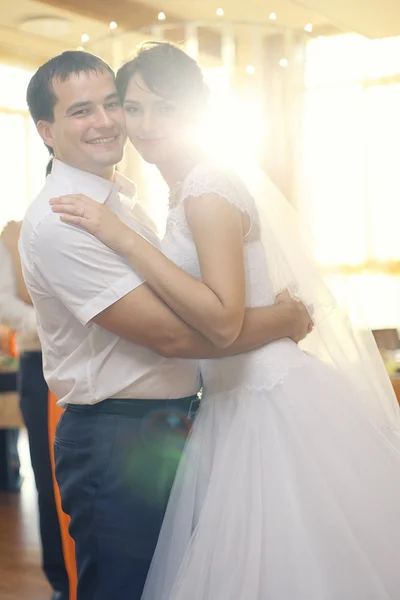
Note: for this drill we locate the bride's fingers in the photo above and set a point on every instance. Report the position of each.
(62, 200)
(81, 198)
(74, 220)
(70, 209)
(71, 199)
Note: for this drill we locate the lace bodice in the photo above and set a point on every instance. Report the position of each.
(207, 178)
(178, 243)
(263, 368)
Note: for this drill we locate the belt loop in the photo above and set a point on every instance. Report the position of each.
(192, 411)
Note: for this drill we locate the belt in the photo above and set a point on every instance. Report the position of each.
(137, 407)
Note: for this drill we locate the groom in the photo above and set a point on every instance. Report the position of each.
(112, 350)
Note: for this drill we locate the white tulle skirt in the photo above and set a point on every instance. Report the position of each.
(286, 494)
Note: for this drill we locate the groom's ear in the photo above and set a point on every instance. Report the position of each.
(45, 130)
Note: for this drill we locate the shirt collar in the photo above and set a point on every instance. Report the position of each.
(93, 186)
(124, 185)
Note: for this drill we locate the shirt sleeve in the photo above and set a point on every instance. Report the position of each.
(78, 270)
(14, 312)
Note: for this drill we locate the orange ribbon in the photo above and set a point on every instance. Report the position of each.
(54, 414)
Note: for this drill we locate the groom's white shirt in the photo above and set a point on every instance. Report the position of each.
(72, 277)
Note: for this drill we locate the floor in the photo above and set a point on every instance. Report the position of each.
(21, 577)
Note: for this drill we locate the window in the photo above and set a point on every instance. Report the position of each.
(351, 151)
(23, 156)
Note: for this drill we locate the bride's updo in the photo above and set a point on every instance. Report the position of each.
(168, 72)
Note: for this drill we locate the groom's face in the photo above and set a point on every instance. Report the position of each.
(88, 129)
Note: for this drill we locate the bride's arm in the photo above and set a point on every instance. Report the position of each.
(214, 306)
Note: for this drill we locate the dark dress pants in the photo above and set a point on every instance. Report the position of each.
(115, 465)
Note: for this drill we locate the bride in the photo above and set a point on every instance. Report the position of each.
(289, 487)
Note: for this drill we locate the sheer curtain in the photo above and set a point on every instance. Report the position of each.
(23, 156)
(350, 160)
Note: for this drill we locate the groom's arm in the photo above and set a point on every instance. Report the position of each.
(143, 318)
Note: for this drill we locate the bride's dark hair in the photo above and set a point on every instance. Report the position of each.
(168, 72)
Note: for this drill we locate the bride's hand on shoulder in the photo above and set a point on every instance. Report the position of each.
(95, 218)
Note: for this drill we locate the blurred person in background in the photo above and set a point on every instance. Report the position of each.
(19, 315)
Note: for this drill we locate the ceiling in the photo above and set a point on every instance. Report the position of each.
(257, 11)
(371, 18)
(49, 26)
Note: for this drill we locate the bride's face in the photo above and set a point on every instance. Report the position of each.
(157, 127)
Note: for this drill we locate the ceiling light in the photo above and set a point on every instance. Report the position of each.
(113, 25)
(161, 16)
(250, 70)
(272, 16)
(48, 26)
(84, 38)
(308, 27)
(220, 12)
(283, 63)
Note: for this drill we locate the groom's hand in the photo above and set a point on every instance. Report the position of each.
(299, 320)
